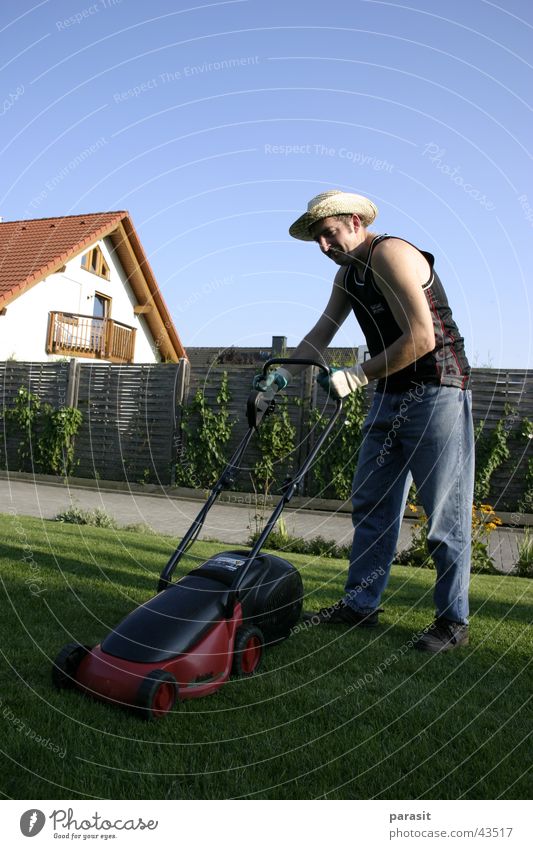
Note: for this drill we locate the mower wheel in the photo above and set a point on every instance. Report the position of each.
(157, 694)
(248, 651)
(66, 665)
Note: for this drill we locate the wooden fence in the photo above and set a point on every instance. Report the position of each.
(505, 394)
(130, 421)
(48, 381)
(497, 394)
(131, 414)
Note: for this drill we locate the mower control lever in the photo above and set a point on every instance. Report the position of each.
(259, 405)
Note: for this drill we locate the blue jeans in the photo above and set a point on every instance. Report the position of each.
(425, 434)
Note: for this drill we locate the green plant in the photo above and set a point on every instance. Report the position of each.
(140, 528)
(101, 519)
(334, 468)
(73, 515)
(481, 561)
(524, 564)
(208, 431)
(275, 442)
(281, 540)
(281, 528)
(484, 521)
(21, 419)
(525, 503)
(46, 436)
(417, 554)
(491, 451)
(76, 515)
(56, 443)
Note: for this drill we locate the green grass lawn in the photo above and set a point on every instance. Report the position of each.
(334, 713)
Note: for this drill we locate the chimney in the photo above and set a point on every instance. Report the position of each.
(279, 346)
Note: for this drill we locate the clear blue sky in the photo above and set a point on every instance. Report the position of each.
(214, 123)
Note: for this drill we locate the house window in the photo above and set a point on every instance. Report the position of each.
(102, 306)
(94, 261)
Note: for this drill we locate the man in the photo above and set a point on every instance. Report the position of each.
(420, 422)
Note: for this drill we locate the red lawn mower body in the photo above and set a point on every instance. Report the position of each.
(200, 672)
(188, 640)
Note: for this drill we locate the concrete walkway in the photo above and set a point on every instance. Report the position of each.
(229, 523)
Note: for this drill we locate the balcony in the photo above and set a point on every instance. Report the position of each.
(86, 336)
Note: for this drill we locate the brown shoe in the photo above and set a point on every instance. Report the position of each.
(442, 635)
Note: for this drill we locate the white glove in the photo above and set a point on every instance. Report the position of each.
(344, 381)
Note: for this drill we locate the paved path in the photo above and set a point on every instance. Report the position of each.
(229, 523)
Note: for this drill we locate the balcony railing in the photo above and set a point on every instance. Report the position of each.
(87, 336)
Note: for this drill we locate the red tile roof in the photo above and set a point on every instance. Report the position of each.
(32, 249)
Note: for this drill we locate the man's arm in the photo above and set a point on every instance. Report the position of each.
(317, 340)
(400, 271)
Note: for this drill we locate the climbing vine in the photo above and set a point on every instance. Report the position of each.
(46, 436)
(56, 443)
(525, 504)
(207, 431)
(275, 440)
(21, 420)
(334, 468)
(491, 451)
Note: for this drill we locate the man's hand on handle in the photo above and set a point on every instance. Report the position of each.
(279, 378)
(343, 381)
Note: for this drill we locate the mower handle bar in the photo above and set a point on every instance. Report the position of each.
(261, 402)
(298, 361)
(287, 491)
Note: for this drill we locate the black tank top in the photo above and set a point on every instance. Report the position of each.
(446, 365)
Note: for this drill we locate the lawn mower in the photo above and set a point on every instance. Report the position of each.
(215, 622)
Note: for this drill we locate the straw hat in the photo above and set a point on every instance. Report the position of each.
(332, 203)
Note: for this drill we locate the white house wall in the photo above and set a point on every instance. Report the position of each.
(23, 330)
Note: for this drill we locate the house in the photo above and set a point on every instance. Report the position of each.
(81, 286)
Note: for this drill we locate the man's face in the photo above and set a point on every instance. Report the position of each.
(336, 238)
